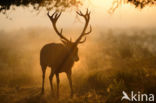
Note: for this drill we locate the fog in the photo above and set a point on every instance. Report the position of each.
(20, 49)
(125, 16)
(108, 59)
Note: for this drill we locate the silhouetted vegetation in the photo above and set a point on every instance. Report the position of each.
(6, 5)
(37, 4)
(142, 3)
(123, 62)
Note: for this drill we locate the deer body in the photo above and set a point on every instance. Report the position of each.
(53, 55)
(61, 56)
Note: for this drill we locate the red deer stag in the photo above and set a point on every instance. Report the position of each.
(60, 57)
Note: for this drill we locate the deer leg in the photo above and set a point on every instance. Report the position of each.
(43, 77)
(58, 82)
(70, 83)
(51, 80)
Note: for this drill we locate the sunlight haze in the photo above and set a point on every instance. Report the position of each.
(125, 16)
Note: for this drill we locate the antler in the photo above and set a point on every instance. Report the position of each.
(54, 17)
(87, 18)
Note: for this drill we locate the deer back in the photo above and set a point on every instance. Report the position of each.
(54, 55)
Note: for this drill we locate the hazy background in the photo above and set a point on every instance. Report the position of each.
(110, 61)
(126, 16)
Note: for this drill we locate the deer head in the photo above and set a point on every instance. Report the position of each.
(71, 46)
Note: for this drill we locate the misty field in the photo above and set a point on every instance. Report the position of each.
(110, 62)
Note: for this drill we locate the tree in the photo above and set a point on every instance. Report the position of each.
(137, 3)
(142, 3)
(37, 4)
(50, 4)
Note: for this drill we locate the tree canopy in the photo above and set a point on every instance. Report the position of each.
(142, 3)
(50, 4)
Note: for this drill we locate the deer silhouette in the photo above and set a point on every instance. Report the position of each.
(60, 57)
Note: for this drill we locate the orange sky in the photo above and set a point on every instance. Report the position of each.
(125, 16)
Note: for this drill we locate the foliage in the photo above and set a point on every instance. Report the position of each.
(6, 5)
(137, 3)
(142, 3)
(132, 66)
(37, 4)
